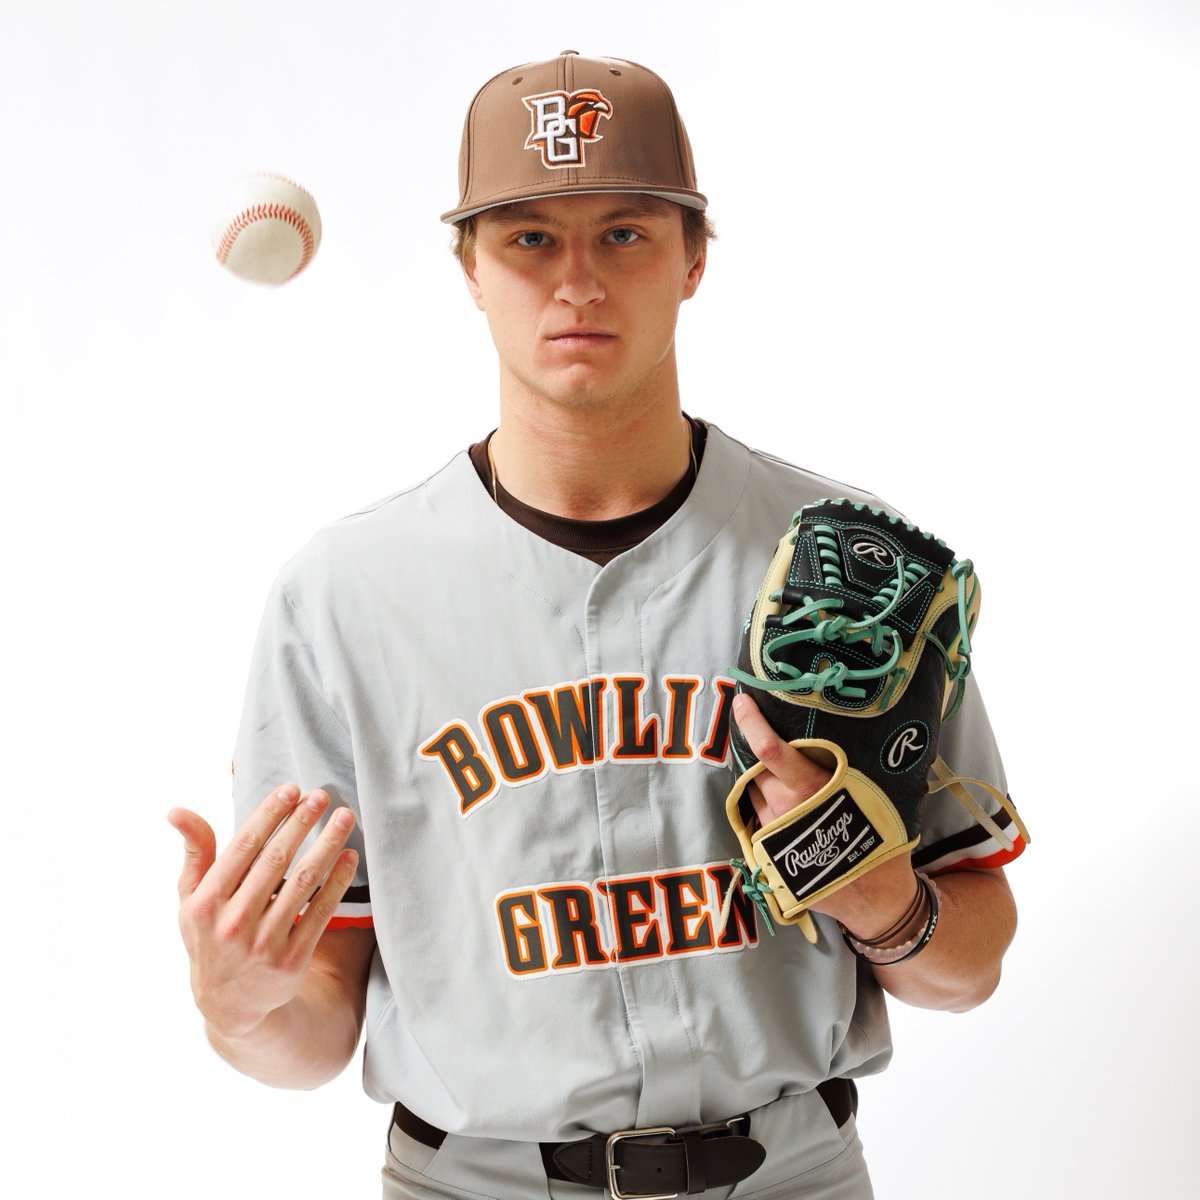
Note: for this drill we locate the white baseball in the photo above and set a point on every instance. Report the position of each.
(267, 229)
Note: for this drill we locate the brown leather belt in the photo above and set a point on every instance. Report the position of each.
(656, 1163)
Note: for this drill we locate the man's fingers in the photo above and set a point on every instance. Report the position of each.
(789, 777)
(239, 856)
(199, 848)
(265, 876)
(304, 934)
(761, 808)
(782, 760)
(315, 870)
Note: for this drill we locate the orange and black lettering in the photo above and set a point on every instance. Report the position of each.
(572, 723)
(632, 902)
(636, 740)
(575, 928)
(524, 945)
(456, 750)
(681, 913)
(717, 746)
(679, 717)
(742, 926)
(505, 724)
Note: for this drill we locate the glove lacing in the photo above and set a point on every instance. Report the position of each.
(839, 677)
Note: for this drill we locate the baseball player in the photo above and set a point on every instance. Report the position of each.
(504, 698)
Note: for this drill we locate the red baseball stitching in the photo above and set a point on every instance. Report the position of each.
(264, 212)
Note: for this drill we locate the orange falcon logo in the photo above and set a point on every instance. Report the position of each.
(563, 123)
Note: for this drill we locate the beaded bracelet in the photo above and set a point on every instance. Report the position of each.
(908, 949)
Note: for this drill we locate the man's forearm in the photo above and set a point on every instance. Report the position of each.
(960, 967)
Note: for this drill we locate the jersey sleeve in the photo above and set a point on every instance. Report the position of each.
(951, 838)
(290, 731)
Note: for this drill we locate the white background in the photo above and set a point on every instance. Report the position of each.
(958, 265)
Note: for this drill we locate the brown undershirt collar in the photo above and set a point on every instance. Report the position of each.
(600, 541)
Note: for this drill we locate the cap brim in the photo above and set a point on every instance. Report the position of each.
(683, 197)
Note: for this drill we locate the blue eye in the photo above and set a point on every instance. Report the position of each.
(624, 237)
(530, 239)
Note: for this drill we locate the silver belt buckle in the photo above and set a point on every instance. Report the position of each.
(624, 1135)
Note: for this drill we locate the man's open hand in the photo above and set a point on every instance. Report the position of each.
(249, 952)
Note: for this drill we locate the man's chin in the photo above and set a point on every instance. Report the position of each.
(579, 390)
(583, 386)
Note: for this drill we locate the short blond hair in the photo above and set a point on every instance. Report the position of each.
(698, 231)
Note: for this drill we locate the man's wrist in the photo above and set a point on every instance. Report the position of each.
(909, 936)
(876, 901)
(238, 1033)
(897, 929)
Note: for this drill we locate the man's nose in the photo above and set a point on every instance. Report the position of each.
(580, 282)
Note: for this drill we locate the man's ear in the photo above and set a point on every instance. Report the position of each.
(473, 285)
(695, 274)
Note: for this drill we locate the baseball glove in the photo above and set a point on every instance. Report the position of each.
(857, 649)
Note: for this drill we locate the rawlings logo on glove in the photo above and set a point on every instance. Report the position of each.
(857, 648)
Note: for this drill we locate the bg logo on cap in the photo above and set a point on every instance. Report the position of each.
(563, 123)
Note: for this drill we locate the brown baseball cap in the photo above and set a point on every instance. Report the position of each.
(573, 124)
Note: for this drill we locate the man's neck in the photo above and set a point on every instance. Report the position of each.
(594, 462)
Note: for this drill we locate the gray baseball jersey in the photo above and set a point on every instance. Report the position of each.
(536, 748)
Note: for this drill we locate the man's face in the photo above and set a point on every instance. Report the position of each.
(582, 293)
